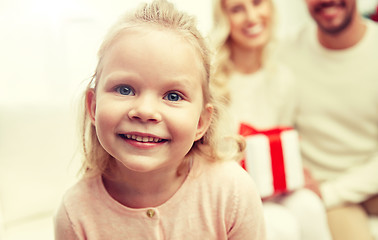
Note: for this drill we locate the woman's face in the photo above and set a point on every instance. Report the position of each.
(250, 22)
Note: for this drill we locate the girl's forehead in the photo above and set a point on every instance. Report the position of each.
(155, 38)
(141, 47)
(152, 32)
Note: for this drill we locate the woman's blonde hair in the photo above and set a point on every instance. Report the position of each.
(163, 15)
(220, 37)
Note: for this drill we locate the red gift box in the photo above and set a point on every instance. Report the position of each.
(273, 159)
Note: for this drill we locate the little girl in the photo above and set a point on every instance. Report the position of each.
(152, 169)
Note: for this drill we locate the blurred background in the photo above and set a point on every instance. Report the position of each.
(48, 51)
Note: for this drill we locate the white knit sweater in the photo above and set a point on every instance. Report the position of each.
(338, 114)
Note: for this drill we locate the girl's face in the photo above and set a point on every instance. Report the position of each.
(250, 22)
(148, 106)
(332, 16)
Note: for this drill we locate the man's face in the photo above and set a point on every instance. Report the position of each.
(332, 16)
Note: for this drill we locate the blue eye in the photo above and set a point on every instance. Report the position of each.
(125, 90)
(173, 97)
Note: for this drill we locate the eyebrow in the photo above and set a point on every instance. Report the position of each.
(119, 77)
(182, 81)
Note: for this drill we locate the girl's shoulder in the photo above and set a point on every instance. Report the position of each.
(227, 168)
(228, 187)
(82, 192)
(79, 201)
(226, 174)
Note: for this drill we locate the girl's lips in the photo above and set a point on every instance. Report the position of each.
(143, 142)
(142, 139)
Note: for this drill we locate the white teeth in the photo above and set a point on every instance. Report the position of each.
(142, 139)
(256, 29)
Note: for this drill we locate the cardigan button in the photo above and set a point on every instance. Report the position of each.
(150, 213)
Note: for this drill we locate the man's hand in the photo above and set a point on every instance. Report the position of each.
(311, 183)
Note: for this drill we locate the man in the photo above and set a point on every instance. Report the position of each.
(336, 65)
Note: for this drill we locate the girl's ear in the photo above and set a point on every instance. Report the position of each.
(204, 121)
(90, 102)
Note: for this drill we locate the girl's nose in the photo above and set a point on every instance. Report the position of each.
(145, 110)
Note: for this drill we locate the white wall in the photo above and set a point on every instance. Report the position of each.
(48, 48)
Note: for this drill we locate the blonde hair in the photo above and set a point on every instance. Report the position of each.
(161, 14)
(220, 36)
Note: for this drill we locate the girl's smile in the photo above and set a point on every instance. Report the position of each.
(139, 138)
(145, 141)
(148, 107)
